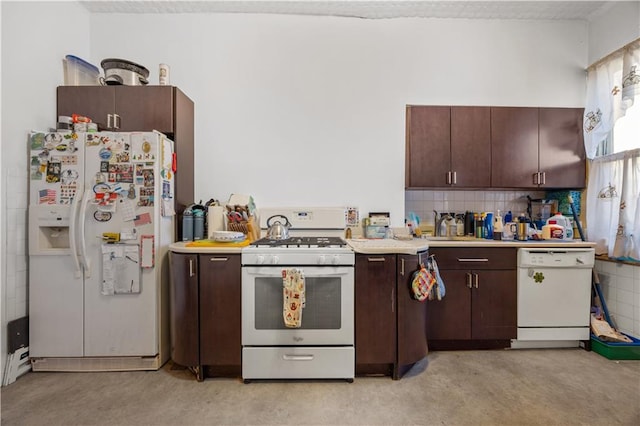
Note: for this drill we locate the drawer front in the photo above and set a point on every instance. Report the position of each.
(475, 258)
(337, 362)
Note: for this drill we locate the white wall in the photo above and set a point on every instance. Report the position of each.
(35, 38)
(311, 110)
(617, 26)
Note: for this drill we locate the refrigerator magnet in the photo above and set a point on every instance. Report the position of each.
(37, 141)
(53, 171)
(105, 154)
(147, 251)
(101, 216)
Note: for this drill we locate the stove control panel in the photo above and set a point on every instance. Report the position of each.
(298, 257)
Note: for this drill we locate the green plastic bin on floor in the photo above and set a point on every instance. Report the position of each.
(617, 351)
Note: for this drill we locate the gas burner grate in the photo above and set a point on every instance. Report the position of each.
(301, 242)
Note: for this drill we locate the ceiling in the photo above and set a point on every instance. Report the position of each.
(370, 9)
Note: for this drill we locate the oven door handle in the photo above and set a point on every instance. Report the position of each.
(277, 273)
(292, 357)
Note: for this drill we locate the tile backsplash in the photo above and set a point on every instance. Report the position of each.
(424, 202)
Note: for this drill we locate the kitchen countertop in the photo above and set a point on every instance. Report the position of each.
(416, 245)
(389, 246)
(381, 246)
(478, 242)
(181, 247)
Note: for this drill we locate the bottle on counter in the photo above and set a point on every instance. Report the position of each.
(488, 226)
(480, 227)
(459, 225)
(508, 217)
(497, 227)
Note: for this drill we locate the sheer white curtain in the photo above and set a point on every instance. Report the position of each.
(613, 189)
(612, 86)
(613, 205)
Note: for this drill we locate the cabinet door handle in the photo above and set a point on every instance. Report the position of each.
(449, 178)
(218, 259)
(393, 300)
(468, 275)
(455, 178)
(402, 267)
(191, 268)
(116, 121)
(544, 177)
(375, 259)
(109, 121)
(472, 259)
(475, 279)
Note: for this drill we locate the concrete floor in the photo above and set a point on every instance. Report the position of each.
(506, 387)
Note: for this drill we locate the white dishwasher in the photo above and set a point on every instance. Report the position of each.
(554, 296)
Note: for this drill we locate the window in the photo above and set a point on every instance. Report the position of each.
(626, 130)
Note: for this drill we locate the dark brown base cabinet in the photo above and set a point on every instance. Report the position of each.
(479, 309)
(206, 313)
(141, 109)
(390, 334)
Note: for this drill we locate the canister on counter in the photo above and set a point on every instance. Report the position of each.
(163, 75)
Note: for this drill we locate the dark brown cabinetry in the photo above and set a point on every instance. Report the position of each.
(561, 148)
(537, 148)
(494, 147)
(140, 108)
(205, 313)
(480, 306)
(448, 146)
(514, 149)
(412, 333)
(389, 324)
(184, 289)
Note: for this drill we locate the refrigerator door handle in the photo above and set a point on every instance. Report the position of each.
(73, 223)
(83, 241)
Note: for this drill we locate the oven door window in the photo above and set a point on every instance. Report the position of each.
(322, 309)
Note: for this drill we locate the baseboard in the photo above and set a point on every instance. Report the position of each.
(96, 364)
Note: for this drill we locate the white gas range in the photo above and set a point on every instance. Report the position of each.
(298, 299)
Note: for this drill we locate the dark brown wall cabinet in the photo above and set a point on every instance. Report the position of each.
(448, 146)
(140, 108)
(480, 305)
(206, 313)
(390, 333)
(494, 147)
(537, 148)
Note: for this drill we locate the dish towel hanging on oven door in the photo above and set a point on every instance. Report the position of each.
(293, 288)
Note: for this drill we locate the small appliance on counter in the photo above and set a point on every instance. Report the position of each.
(377, 225)
(539, 210)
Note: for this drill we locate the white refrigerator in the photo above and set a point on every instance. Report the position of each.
(101, 219)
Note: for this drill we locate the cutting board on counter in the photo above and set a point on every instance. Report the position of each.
(212, 243)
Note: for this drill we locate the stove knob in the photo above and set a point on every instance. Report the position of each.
(336, 259)
(275, 260)
(260, 259)
(321, 259)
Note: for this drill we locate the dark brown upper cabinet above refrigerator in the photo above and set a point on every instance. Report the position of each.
(448, 147)
(139, 109)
